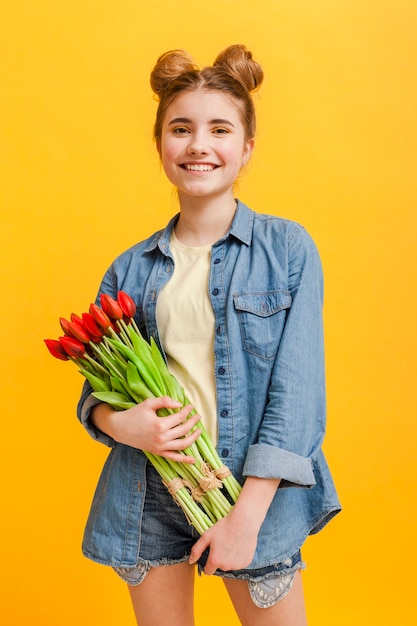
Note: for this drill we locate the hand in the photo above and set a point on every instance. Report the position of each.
(140, 427)
(231, 542)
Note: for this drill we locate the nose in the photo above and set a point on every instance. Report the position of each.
(197, 146)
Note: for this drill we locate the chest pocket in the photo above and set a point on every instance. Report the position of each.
(261, 320)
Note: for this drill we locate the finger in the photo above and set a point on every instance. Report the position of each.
(179, 417)
(178, 456)
(169, 442)
(198, 548)
(164, 402)
(182, 443)
(209, 569)
(183, 428)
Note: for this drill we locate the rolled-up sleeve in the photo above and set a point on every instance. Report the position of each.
(293, 425)
(85, 405)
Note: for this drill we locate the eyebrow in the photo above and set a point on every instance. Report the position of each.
(186, 120)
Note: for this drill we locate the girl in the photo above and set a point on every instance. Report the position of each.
(234, 299)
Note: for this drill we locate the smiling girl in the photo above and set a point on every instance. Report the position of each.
(234, 299)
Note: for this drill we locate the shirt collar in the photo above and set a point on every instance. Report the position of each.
(242, 224)
(241, 228)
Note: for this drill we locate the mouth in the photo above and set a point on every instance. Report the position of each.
(199, 167)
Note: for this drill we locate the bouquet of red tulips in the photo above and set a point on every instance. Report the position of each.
(123, 370)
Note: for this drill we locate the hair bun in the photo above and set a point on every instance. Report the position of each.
(237, 61)
(168, 67)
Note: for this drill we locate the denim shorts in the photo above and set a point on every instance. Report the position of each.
(167, 538)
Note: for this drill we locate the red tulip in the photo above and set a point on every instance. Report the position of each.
(111, 307)
(79, 331)
(127, 304)
(99, 315)
(73, 347)
(92, 327)
(75, 328)
(65, 325)
(56, 349)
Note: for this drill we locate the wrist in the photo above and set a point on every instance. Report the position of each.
(255, 499)
(104, 418)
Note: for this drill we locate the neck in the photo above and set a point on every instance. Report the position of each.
(203, 221)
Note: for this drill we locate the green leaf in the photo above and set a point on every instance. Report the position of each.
(97, 383)
(115, 399)
(136, 382)
(142, 366)
(117, 385)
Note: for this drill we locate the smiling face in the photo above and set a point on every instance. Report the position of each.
(203, 144)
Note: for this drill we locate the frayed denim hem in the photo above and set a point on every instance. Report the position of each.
(135, 575)
(282, 568)
(267, 586)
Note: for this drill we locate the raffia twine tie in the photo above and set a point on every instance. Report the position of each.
(196, 492)
(210, 479)
(178, 483)
(222, 472)
(173, 486)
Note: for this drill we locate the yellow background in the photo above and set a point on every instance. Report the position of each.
(81, 181)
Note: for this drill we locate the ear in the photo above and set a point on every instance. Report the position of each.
(158, 147)
(247, 151)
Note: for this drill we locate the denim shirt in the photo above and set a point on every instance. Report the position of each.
(266, 290)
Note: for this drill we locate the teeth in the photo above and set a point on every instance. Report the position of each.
(199, 167)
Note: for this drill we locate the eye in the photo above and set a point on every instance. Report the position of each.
(180, 130)
(221, 131)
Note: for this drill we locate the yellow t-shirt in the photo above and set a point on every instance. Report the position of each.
(186, 326)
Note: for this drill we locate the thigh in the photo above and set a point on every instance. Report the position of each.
(165, 596)
(290, 611)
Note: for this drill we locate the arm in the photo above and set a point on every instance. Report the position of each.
(140, 427)
(293, 423)
(292, 427)
(232, 540)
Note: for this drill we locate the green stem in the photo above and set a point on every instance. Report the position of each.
(124, 333)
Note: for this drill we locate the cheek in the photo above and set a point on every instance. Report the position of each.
(168, 150)
(235, 159)
(169, 155)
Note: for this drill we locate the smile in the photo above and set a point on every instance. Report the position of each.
(199, 167)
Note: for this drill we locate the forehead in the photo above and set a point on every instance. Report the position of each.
(203, 105)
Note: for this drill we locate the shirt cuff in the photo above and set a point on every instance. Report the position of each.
(85, 411)
(266, 461)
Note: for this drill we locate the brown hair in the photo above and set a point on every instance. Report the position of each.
(234, 73)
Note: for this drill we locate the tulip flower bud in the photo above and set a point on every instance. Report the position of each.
(99, 315)
(73, 347)
(56, 349)
(92, 327)
(65, 325)
(79, 332)
(111, 307)
(76, 318)
(127, 304)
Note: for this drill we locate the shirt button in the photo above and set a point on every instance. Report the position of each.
(225, 452)
(224, 413)
(216, 261)
(218, 330)
(221, 370)
(215, 292)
